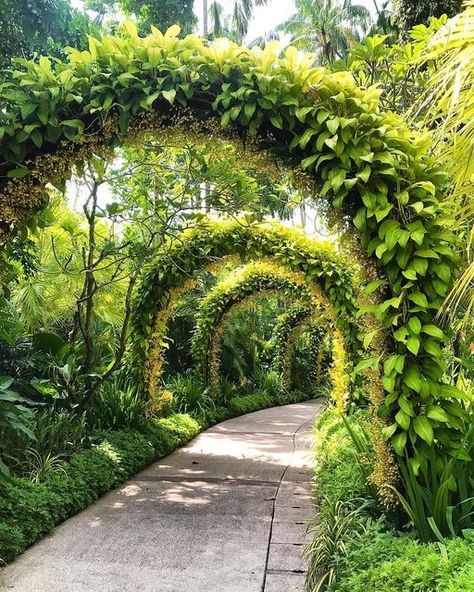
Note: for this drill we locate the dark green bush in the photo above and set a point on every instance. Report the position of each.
(117, 408)
(249, 403)
(30, 510)
(12, 541)
(380, 560)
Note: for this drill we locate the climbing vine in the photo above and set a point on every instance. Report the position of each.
(254, 277)
(320, 268)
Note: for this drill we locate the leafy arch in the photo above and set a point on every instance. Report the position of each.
(257, 276)
(366, 163)
(323, 274)
(287, 325)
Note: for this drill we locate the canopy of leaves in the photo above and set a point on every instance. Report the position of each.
(367, 163)
(37, 25)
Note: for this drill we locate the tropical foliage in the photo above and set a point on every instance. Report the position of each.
(327, 27)
(145, 277)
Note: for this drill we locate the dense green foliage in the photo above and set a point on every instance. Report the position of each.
(201, 246)
(162, 13)
(409, 13)
(29, 510)
(27, 26)
(371, 555)
(72, 113)
(386, 174)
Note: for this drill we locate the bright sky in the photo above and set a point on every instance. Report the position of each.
(266, 18)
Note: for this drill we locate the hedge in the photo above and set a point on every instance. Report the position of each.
(30, 510)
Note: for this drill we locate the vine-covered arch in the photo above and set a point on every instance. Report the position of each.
(285, 333)
(328, 276)
(367, 163)
(256, 276)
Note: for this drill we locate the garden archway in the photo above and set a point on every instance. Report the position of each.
(254, 278)
(316, 266)
(368, 164)
(299, 316)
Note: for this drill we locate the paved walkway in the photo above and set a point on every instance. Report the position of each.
(226, 513)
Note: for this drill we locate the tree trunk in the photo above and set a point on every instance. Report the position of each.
(205, 18)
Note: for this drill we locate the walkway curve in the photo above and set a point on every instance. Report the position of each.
(226, 513)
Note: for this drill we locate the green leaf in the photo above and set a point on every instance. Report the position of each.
(332, 125)
(423, 428)
(331, 142)
(372, 286)
(419, 298)
(388, 431)
(364, 174)
(412, 378)
(413, 344)
(406, 406)
(403, 420)
(368, 338)
(169, 95)
(437, 413)
(427, 254)
(434, 331)
(18, 172)
(415, 325)
(399, 442)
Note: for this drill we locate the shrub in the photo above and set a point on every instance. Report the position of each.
(372, 556)
(116, 408)
(268, 381)
(12, 542)
(339, 477)
(30, 510)
(379, 560)
(189, 394)
(249, 403)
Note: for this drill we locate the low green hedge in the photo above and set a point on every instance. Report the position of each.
(377, 557)
(380, 560)
(30, 510)
(247, 404)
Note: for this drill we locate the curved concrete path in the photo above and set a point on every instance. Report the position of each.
(226, 513)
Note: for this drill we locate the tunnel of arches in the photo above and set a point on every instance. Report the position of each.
(370, 171)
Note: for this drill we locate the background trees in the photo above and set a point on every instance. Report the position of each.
(27, 26)
(408, 13)
(326, 27)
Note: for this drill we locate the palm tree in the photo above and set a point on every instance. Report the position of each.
(326, 27)
(237, 26)
(242, 14)
(218, 20)
(205, 15)
(383, 24)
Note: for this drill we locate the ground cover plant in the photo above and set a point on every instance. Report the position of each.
(357, 545)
